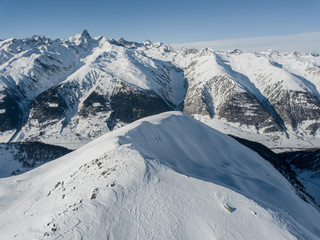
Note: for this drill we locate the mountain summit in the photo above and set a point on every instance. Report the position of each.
(85, 34)
(166, 176)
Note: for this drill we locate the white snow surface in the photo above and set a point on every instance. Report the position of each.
(163, 177)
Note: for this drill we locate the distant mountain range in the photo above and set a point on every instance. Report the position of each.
(68, 92)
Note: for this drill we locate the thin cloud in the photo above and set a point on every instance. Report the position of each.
(306, 42)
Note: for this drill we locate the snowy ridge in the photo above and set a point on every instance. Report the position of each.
(166, 176)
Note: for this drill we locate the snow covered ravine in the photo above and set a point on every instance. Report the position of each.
(163, 177)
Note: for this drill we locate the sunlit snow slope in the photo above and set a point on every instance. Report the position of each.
(163, 177)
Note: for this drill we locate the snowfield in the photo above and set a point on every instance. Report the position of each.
(163, 177)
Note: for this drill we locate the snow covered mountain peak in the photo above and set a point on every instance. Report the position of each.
(147, 42)
(82, 40)
(163, 176)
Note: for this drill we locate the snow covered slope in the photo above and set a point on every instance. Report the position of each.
(163, 177)
(68, 92)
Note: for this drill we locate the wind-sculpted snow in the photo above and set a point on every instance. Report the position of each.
(163, 177)
(48, 85)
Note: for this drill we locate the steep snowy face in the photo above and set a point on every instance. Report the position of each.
(166, 176)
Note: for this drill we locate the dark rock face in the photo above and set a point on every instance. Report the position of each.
(13, 114)
(38, 153)
(303, 160)
(313, 127)
(94, 104)
(194, 103)
(49, 105)
(124, 103)
(31, 154)
(295, 107)
(219, 96)
(200, 97)
(247, 110)
(129, 104)
(49, 69)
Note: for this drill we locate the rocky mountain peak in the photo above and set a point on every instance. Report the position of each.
(85, 34)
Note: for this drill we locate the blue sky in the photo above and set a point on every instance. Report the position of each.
(166, 21)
